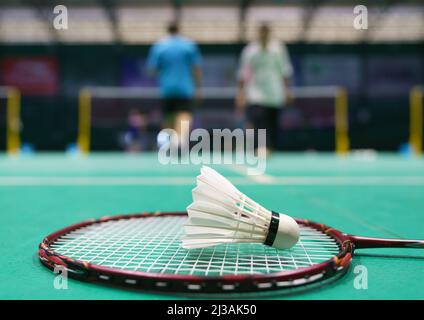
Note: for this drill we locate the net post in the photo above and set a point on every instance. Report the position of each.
(416, 120)
(342, 122)
(84, 120)
(13, 122)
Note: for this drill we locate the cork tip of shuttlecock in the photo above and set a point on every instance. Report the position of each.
(287, 234)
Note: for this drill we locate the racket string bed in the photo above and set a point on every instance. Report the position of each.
(144, 251)
(104, 239)
(158, 246)
(115, 254)
(148, 246)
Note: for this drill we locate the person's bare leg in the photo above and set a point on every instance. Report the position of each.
(180, 118)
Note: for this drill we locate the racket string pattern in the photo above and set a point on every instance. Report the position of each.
(148, 246)
(144, 251)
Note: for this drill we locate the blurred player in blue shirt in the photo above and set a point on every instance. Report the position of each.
(176, 62)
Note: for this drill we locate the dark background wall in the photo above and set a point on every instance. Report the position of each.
(378, 112)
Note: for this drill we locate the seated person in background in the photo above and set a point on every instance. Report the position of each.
(136, 138)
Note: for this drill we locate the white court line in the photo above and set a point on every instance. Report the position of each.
(259, 177)
(190, 181)
(350, 180)
(93, 181)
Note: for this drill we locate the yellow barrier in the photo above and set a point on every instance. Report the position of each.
(342, 122)
(13, 120)
(416, 120)
(84, 121)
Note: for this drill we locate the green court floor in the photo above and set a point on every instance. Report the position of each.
(368, 195)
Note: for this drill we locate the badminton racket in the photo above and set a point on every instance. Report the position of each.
(144, 251)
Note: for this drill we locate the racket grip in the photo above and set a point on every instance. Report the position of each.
(367, 242)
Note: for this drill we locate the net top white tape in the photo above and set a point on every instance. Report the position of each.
(207, 92)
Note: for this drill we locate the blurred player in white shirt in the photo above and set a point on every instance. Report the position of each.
(264, 73)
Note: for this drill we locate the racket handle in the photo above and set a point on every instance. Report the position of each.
(366, 242)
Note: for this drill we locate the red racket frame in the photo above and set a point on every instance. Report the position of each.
(83, 270)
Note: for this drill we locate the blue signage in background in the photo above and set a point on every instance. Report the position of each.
(134, 73)
(325, 70)
(390, 76)
(218, 70)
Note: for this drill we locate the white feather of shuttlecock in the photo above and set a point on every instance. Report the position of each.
(222, 214)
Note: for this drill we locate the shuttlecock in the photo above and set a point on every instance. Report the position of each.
(222, 214)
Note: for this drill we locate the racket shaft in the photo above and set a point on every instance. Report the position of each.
(366, 242)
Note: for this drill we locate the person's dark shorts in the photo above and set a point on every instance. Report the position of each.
(172, 105)
(263, 117)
